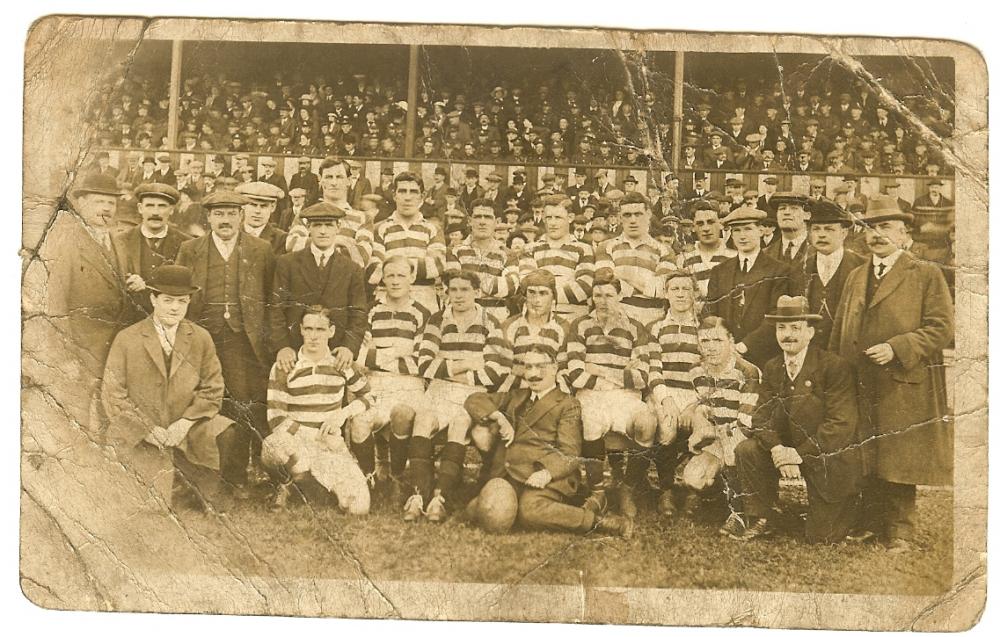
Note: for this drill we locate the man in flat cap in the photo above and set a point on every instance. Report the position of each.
(805, 427)
(894, 321)
(139, 252)
(742, 289)
(262, 202)
(307, 180)
(162, 392)
(163, 173)
(793, 247)
(233, 271)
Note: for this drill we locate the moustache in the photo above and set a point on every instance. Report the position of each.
(789, 341)
(533, 379)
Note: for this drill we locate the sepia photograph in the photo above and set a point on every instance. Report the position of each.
(533, 324)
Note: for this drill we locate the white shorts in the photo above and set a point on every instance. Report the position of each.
(446, 400)
(390, 390)
(609, 410)
(326, 458)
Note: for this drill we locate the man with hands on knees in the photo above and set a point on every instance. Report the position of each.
(805, 427)
(541, 432)
(307, 409)
(162, 392)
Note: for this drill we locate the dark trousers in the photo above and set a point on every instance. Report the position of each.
(245, 401)
(546, 509)
(889, 508)
(826, 522)
(198, 482)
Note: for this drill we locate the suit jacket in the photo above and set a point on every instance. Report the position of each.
(256, 271)
(817, 414)
(86, 295)
(140, 393)
(308, 182)
(274, 236)
(127, 248)
(824, 301)
(924, 201)
(797, 264)
(299, 283)
(912, 311)
(548, 436)
(358, 191)
(767, 280)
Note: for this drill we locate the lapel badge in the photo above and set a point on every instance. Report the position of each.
(809, 383)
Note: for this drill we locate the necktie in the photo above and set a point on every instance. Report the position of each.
(322, 261)
(881, 271)
(746, 266)
(532, 401)
(788, 252)
(793, 369)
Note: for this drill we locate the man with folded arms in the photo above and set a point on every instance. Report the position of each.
(805, 426)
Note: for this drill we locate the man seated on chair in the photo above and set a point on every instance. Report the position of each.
(540, 430)
(162, 392)
(307, 409)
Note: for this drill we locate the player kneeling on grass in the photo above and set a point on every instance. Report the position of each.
(805, 427)
(726, 387)
(306, 412)
(608, 365)
(452, 356)
(541, 432)
(389, 351)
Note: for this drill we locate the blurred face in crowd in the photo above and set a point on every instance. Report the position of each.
(97, 209)
(517, 247)
(885, 237)
(556, 220)
(746, 237)
(606, 300)
(716, 346)
(793, 336)
(539, 371)
(680, 294)
(538, 300)
(462, 295)
(316, 332)
(484, 223)
(707, 227)
(298, 200)
(257, 212)
(397, 276)
(225, 221)
(827, 238)
(323, 232)
(335, 182)
(155, 212)
(635, 220)
(408, 197)
(791, 218)
(168, 309)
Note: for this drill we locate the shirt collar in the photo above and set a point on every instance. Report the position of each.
(889, 261)
(834, 257)
(256, 232)
(219, 243)
(302, 363)
(798, 360)
(541, 395)
(164, 332)
(752, 258)
(149, 235)
(322, 253)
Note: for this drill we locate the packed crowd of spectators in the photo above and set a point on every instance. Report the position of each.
(744, 126)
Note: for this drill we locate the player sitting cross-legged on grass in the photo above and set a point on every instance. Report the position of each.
(452, 356)
(306, 409)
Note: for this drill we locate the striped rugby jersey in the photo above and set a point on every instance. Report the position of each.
(421, 241)
(645, 258)
(394, 330)
(354, 226)
(732, 396)
(572, 263)
(673, 354)
(623, 351)
(443, 341)
(497, 273)
(506, 345)
(701, 263)
(311, 391)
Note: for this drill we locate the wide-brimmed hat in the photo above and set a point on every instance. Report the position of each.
(98, 185)
(172, 279)
(823, 210)
(792, 308)
(881, 208)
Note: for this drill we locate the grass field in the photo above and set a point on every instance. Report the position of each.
(312, 539)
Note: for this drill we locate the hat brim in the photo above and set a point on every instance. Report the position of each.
(173, 290)
(787, 318)
(893, 216)
(777, 201)
(76, 192)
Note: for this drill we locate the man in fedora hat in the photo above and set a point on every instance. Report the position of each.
(894, 321)
(86, 295)
(234, 270)
(307, 180)
(805, 426)
(826, 268)
(262, 202)
(793, 247)
(743, 288)
(162, 392)
(143, 249)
